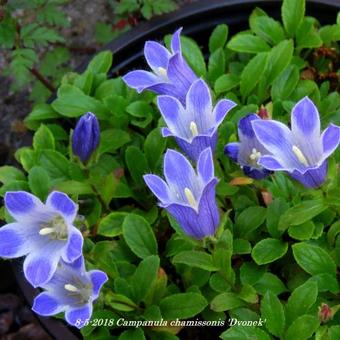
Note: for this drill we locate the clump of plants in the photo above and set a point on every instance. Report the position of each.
(191, 190)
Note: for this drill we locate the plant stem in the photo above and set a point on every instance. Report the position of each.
(42, 79)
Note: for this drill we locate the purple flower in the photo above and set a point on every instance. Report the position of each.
(195, 125)
(71, 290)
(86, 136)
(248, 151)
(188, 196)
(301, 151)
(43, 232)
(170, 74)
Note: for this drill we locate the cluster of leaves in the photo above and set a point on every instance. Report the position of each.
(34, 48)
(276, 252)
(29, 35)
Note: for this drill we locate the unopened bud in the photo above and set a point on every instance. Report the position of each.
(325, 313)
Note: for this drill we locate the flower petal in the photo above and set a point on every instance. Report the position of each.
(221, 109)
(202, 223)
(174, 115)
(24, 206)
(140, 80)
(199, 106)
(98, 278)
(205, 165)
(159, 188)
(256, 173)
(46, 304)
(194, 148)
(313, 177)
(40, 265)
(156, 55)
(176, 41)
(60, 202)
(179, 175)
(330, 140)
(277, 139)
(305, 120)
(245, 127)
(180, 75)
(271, 163)
(231, 150)
(14, 241)
(74, 246)
(79, 316)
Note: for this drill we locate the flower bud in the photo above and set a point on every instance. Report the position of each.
(86, 136)
(325, 313)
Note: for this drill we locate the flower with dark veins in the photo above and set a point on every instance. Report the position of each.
(195, 125)
(248, 150)
(71, 290)
(302, 151)
(189, 196)
(171, 75)
(43, 232)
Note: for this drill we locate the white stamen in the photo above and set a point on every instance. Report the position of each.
(46, 231)
(255, 155)
(193, 129)
(70, 288)
(162, 71)
(300, 156)
(190, 197)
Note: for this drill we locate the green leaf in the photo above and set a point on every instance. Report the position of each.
(136, 163)
(268, 29)
(10, 173)
(197, 259)
(268, 250)
(67, 106)
(33, 35)
(182, 305)
(55, 163)
(225, 83)
(193, 55)
(278, 59)
(216, 65)
(111, 224)
(301, 213)
(43, 139)
(226, 301)
(301, 300)
(292, 12)
(73, 187)
(139, 236)
(101, 63)
(285, 84)
(270, 282)
(250, 273)
(154, 147)
(272, 311)
(248, 43)
(132, 334)
(303, 231)
(334, 332)
(39, 182)
(144, 277)
(244, 333)
(120, 302)
(250, 219)
(112, 139)
(307, 36)
(241, 246)
(218, 37)
(303, 327)
(142, 111)
(274, 211)
(252, 73)
(313, 259)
